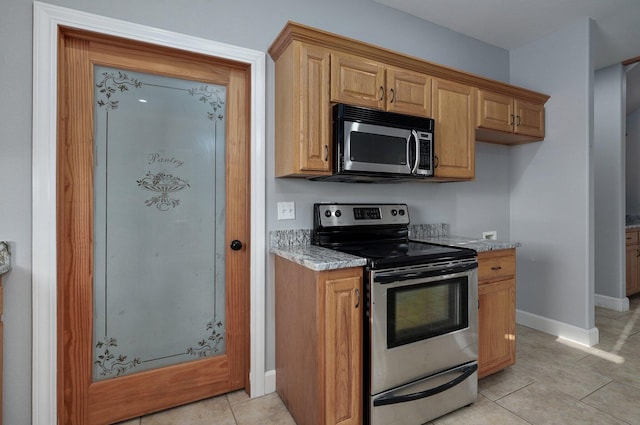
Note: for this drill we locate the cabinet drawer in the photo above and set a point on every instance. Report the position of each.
(632, 237)
(496, 264)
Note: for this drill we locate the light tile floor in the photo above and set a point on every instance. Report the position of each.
(553, 382)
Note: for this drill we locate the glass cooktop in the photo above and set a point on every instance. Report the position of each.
(388, 254)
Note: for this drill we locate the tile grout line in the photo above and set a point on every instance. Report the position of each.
(600, 410)
(233, 414)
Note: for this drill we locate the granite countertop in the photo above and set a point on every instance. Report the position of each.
(5, 257)
(317, 258)
(632, 221)
(479, 245)
(439, 234)
(295, 245)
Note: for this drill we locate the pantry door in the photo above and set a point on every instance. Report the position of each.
(153, 212)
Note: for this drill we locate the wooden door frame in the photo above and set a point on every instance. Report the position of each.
(47, 20)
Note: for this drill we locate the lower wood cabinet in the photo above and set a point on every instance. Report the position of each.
(319, 343)
(632, 259)
(1, 345)
(496, 311)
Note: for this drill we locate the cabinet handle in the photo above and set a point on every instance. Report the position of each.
(436, 161)
(357, 297)
(495, 268)
(393, 95)
(637, 252)
(381, 92)
(518, 124)
(326, 153)
(513, 120)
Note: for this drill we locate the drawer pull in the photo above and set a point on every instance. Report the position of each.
(496, 268)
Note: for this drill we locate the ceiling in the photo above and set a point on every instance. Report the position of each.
(513, 23)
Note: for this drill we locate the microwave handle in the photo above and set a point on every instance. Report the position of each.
(414, 134)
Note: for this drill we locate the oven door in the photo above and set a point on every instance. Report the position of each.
(423, 320)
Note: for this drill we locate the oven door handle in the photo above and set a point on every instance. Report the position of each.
(390, 398)
(390, 278)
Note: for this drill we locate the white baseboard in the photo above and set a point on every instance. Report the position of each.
(617, 304)
(269, 381)
(589, 337)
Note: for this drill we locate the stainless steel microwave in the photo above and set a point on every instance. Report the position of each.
(371, 145)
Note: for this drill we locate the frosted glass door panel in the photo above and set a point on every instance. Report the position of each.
(159, 236)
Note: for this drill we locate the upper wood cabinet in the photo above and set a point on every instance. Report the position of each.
(508, 120)
(453, 106)
(359, 81)
(315, 69)
(303, 115)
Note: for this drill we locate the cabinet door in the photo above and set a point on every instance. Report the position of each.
(632, 259)
(529, 119)
(303, 120)
(357, 81)
(496, 326)
(343, 342)
(453, 108)
(313, 109)
(495, 111)
(408, 92)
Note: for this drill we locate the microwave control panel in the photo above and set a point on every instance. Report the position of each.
(425, 166)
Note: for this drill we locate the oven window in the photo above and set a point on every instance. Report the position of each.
(423, 311)
(378, 148)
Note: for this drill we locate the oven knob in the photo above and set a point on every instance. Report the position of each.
(338, 213)
(394, 213)
(401, 212)
(327, 213)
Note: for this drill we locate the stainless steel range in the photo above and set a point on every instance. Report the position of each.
(421, 317)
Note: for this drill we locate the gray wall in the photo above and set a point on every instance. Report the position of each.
(551, 182)
(609, 176)
(470, 208)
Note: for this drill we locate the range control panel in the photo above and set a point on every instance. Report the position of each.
(340, 215)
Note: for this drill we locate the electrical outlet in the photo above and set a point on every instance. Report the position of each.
(286, 210)
(491, 235)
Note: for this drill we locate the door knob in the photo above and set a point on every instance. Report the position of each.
(236, 245)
